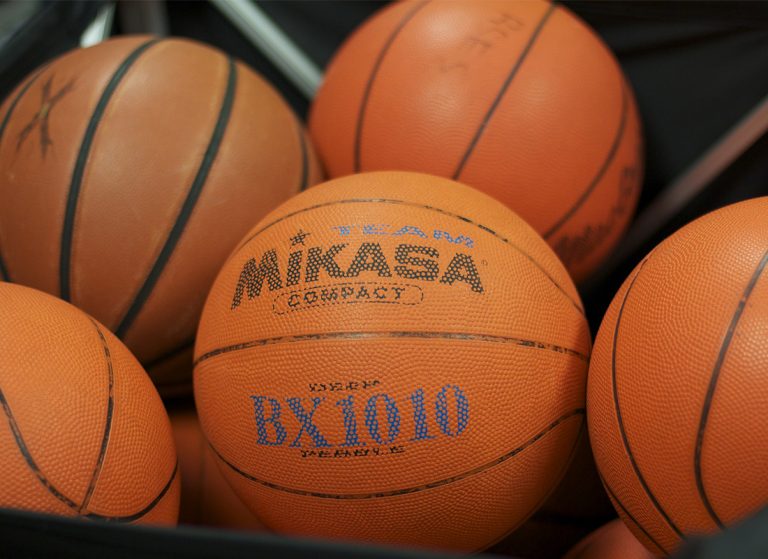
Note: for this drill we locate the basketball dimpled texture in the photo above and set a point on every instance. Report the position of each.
(386, 346)
(128, 172)
(677, 391)
(83, 429)
(518, 99)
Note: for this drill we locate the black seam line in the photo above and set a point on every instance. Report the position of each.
(715, 376)
(369, 85)
(183, 346)
(619, 418)
(16, 100)
(535, 344)
(579, 412)
(603, 169)
(4, 276)
(632, 518)
(80, 164)
(425, 207)
(107, 424)
(55, 492)
(532, 511)
(304, 178)
(142, 512)
(187, 208)
(503, 91)
(22, 446)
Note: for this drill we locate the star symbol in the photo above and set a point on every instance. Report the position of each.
(41, 116)
(298, 238)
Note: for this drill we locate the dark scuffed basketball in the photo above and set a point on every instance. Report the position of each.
(129, 171)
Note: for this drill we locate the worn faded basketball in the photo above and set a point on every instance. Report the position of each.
(521, 100)
(679, 378)
(129, 171)
(386, 346)
(83, 430)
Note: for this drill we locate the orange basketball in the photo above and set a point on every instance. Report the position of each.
(612, 541)
(518, 99)
(386, 346)
(206, 498)
(679, 379)
(128, 171)
(84, 432)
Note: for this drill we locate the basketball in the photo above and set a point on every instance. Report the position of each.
(84, 432)
(521, 100)
(129, 171)
(677, 384)
(385, 346)
(612, 541)
(206, 497)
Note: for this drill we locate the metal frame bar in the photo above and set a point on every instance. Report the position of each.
(100, 28)
(272, 41)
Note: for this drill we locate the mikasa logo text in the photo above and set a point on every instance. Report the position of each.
(369, 260)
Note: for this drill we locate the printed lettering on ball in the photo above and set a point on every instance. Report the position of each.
(410, 261)
(381, 416)
(357, 348)
(380, 411)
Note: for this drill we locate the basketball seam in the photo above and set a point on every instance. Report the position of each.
(16, 100)
(532, 513)
(27, 455)
(369, 84)
(188, 206)
(45, 482)
(714, 377)
(632, 518)
(460, 336)
(422, 206)
(614, 149)
(185, 345)
(619, 419)
(578, 412)
(108, 420)
(304, 177)
(143, 512)
(4, 275)
(504, 87)
(80, 163)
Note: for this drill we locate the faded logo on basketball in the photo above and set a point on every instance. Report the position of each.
(357, 267)
(358, 419)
